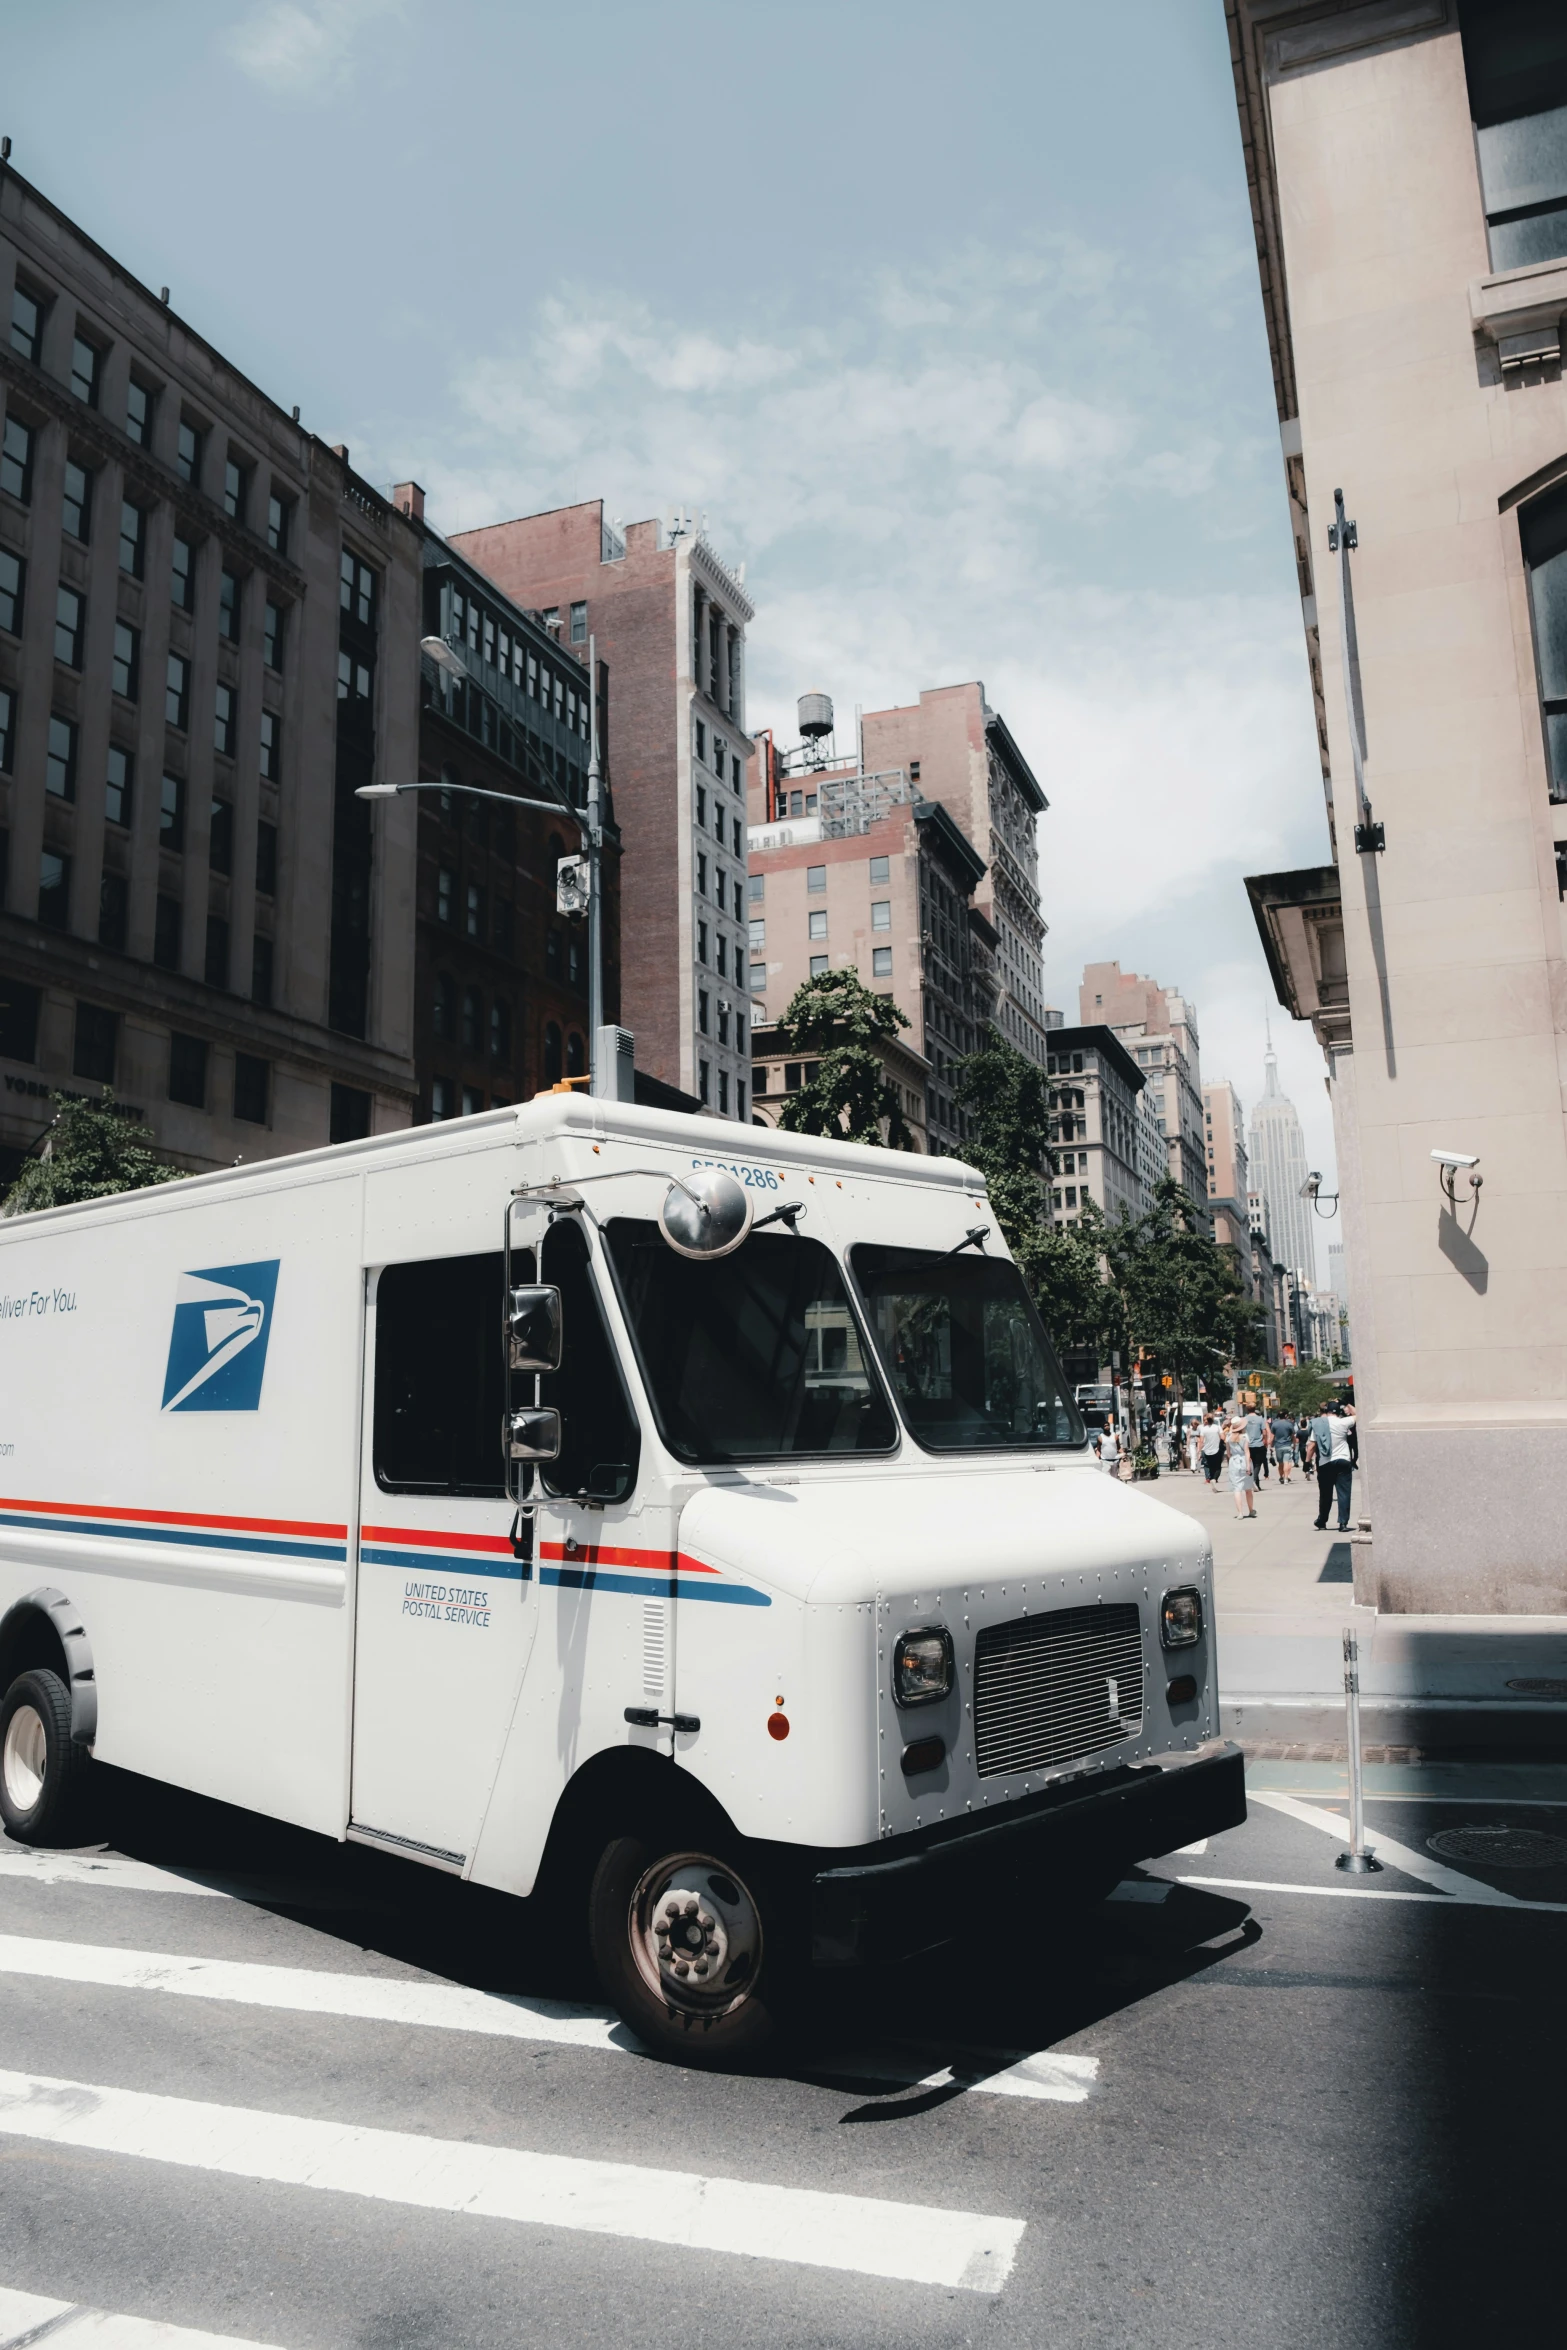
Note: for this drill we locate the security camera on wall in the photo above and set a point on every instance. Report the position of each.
(1456, 1158)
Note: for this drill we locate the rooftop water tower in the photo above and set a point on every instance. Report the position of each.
(815, 712)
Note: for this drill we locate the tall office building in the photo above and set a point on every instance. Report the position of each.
(1407, 169)
(1278, 1165)
(1158, 1026)
(208, 625)
(1225, 1141)
(669, 618)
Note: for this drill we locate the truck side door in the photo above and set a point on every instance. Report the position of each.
(446, 1610)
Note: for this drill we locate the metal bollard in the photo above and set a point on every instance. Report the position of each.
(1358, 1861)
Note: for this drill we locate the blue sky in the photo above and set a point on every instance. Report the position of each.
(945, 316)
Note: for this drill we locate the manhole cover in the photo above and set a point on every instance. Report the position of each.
(1539, 1688)
(1500, 1847)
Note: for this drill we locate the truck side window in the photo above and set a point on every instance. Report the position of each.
(600, 1439)
(439, 1376)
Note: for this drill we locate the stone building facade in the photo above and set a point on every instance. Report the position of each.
(1407, 169)
(668, 618)
(206, 633)
(1094, 1087)
(1158, 1026)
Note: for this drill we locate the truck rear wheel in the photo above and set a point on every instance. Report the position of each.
(680, 1944)
(41, 1768)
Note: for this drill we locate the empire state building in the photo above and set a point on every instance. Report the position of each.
(1278, 1167)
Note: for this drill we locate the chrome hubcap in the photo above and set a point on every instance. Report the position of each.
(26, 1757)
(696, 1935)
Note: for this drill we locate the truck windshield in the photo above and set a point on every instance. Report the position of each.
(966, 1353)
(750, 1357)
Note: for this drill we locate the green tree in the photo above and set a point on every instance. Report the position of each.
(1183, 1302)
(1007, 1098)
(837, 1021)
(1303, 1390)
(89, 1153)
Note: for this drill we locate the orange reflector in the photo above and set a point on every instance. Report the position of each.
(778, 1725)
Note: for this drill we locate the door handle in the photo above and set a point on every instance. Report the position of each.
(648, 1717)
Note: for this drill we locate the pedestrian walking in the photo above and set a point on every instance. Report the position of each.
(1343, 1453)
(1109, 1448)
(1212, 1443)
(1256, 1428)
(1283, 1431)
(1243, 1475)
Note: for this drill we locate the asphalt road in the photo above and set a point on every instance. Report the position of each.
(264, 2088)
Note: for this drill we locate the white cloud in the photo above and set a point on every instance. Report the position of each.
(305, 48)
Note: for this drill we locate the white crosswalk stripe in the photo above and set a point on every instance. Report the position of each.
(1048, 2075)
(26, 2318)
(108, 1869)
(916, 2243)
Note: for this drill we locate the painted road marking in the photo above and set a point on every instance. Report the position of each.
(453, 2007)
(916, 2243)
(97, 1868)
(1418, 1865)
(26, 2318)
(1355, 1893)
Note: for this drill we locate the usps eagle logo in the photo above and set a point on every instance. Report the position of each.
(218, 1346)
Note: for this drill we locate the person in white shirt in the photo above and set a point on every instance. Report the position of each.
(1343, 1453)
(1109, 1447)
(1211, 1440)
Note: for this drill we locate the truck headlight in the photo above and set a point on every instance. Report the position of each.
(1180, 1618)
(922, 1666)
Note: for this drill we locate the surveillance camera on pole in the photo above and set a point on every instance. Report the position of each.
(573, 891)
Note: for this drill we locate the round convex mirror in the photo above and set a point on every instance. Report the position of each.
(706, 1214)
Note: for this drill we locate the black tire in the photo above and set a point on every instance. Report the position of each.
(730, 2017)
(42, 1770)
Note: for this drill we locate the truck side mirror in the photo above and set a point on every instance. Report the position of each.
(533, 1433)
(533, 1329)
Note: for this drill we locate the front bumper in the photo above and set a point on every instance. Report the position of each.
(898, 1901)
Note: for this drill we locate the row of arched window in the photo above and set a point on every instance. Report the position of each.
(457, 1016)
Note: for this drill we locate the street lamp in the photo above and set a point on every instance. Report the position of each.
(590, 825)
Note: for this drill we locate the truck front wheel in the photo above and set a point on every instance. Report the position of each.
(680, 1943)
(41, 1769)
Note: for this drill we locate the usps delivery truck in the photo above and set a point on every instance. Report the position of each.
(683, 1525)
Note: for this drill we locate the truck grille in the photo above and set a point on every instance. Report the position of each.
(1050, 1687)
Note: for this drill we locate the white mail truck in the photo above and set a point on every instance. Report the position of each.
(679, 1524)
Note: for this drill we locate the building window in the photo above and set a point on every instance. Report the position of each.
(472, 1019)
(187, 452)
(260, 969)
(138, 413)
(756, 887)
(881, 913)
(86, 366)
(553, 1065)
(575, 959)
(236, 488)
(13, 582)
(1543, 530)
(224, 720)
(133, 539)
(701, 873)
(69, 618)
(279, 516)
(16, 460)
(701, 740)
(125, 666)
(54, 890)
(113, 911)
(718, 824)
(251, 1086)
(818, 966)
(215, 969)
(171, 813)
(758, 936)
(879, 869)
(704, 1081)
(182, 575)
(701, 942)
(76, 503)
(60, 759)
(188, 1071)
(722, 958)
(552, 619)
(701, 806)
(117, 786)
(1516, 62)
(176, 698)
(220, 839)
(356, 589)
(228, 606)
(723, 1093)
(815, 879)
(473, 911)
(445, 895)
(96, 1032)
(881, 962)
(27, 323)
(271, 746)
(758, 978)
(443, 1024)
(166, 934)
(266, 858)
(442, 1096)
(500, 1031)
(272, 637)
(7, 728)
(579, 624)
(818, 923)
(739, 1097)
(576, 1055)
(350, 1114)
(702, 1005)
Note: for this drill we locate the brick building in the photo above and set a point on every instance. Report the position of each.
(880, 880)
(500, 978)
(1158, 1026)
(207, 624)
(669, 619)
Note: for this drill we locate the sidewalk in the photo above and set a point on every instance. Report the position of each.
(1283, 1595)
